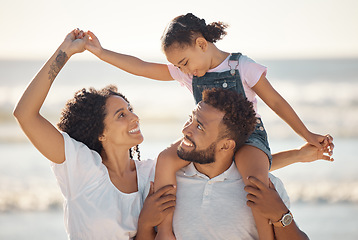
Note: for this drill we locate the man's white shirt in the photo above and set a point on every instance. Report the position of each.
(215, 208)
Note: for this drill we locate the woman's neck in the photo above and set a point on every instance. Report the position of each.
(121, 170)
(117, 161)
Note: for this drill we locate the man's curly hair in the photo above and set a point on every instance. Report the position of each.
(83, 116)
(239, 119)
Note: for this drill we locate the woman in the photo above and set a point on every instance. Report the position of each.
(103, 186)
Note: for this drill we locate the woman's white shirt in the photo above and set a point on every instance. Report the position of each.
(94, 208)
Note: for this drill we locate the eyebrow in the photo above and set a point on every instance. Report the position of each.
(181, 61)
(196, 119)
(119, 110)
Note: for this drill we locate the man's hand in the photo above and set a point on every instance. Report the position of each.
(156, 206)
(310, 153)
(265, 199)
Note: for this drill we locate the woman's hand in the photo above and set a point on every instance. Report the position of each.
(156, 206)
(93, 45)
(74, 42)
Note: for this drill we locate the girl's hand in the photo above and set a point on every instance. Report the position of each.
(310, 153)
(328, 144)
(323, 143)
(93, 45)
(75, 42)
(156, 206)
(315, 139)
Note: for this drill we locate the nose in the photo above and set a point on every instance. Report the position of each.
(187, 128)
(134, 117)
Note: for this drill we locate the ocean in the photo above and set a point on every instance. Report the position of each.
(324, 195)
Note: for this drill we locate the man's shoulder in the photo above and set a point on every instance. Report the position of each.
(276, 181)
(280, 188)
(190, 168)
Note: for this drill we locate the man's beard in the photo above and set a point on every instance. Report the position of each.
(202, 156)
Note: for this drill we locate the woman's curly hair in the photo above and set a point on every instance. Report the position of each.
(184, 29)
(239, 116)
(83, 116)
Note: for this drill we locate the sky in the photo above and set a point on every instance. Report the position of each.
(258, 28)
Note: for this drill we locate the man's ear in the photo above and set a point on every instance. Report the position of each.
(202, 43)
(228, 145)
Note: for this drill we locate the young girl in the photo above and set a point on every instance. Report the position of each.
(197, 63)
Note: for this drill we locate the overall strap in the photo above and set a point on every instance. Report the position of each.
(234, 62)
(235, 57)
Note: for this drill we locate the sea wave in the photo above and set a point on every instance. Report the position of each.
(319, 191)
(322, 92)
(44, 198)
(318, 93)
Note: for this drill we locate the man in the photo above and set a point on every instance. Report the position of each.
(211, 199)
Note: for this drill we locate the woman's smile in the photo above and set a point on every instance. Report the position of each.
(135, 130)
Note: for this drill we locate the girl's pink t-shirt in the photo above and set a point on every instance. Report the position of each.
(250, 73)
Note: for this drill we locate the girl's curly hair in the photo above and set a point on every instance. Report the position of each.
(239, 119)
(83, 116)
(184, 29)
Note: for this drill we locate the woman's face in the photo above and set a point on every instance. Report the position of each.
(121, 125)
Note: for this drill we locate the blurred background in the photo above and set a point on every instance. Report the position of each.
(309, 47)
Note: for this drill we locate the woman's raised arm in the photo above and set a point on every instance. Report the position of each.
(43, 135)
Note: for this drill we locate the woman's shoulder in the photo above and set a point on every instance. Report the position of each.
(71, 142)
(145, 173)
(76, 151)
(145, 165)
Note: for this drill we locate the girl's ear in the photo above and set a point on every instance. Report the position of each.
(202, 43)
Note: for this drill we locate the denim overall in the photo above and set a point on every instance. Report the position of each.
(231, 80)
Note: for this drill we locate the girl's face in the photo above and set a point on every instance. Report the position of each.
(121, 124)
(193, 60)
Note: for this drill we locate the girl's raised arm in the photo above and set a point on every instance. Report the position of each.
(127, 63)
(283, 109)
(43, 135)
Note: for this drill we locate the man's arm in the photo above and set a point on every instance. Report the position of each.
(267, 201)
(307, 153)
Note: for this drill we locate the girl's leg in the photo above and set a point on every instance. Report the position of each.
(168, 163)
(251, 161)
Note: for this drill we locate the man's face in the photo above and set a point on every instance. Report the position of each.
(201, 132)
